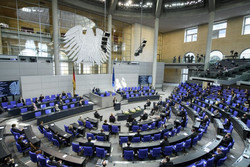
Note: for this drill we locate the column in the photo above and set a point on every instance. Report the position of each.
(1, 44)
(209, 38)
(156, 29)
(56, 36)
(110, 39)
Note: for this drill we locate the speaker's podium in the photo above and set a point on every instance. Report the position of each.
(117, 106)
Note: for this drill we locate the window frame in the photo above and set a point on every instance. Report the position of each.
(244, 25)
(192, 35)
(218, 30)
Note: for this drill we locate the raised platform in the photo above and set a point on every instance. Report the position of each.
(106, 101)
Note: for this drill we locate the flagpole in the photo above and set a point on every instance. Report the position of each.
(74, 81)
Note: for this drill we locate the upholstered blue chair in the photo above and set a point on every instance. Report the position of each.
(128, 154)
(100, 152)
(142, 153)
(156, 152)
(123, 140)
(88, 151)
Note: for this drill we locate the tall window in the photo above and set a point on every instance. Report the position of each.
(246, 25)
(245, 54)
(184, 73)
(191, 34)
(219, 30)
(64, 68)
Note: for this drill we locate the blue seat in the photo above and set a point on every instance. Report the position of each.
(38, 114)
(80, 123)
(156, 137)
(72, 105)
(65, 107)
(142, 153)
(48, 111)
(128, 154)
(248, 123)
(144, 127)
(66, 101)
(86, 102)
(34, 157)
(178, 130)
(228, 130)
(152, 126)
(45, 132)
(135, 139)
(200, 136)
(100, 152)
(146, 138)
(210, 162)
(123, 140)
(42, 161)
(91, 135)
(43, 105)
(135, 128)
(49, 136)
(76, 148)
(179, 147)
(4, 105)
(159, 124)
(187, 143)
(115, 129)
(41, 130)
(235, 113)
(23, 110)
(221, 161)
(19, 104)
(89, 125)
(55, 142)
(168, 150)
(20, 149)
(51, 104)
(195, 140)
(100, 138)
(156, 152)
(88, 151)
(105, 128)
(13, 103)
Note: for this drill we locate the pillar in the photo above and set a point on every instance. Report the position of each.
(209, 38)
(110, 39)
(156, 29)
(56, 36)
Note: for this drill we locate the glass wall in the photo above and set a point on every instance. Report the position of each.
(26, 30)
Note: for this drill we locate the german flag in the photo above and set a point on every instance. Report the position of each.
(74, 81)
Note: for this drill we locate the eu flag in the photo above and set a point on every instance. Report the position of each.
(113, 77)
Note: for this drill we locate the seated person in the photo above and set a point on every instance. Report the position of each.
(89, 143)
(181, 113)
(81, 102)
(112, 118)
(82, 120)
(128, 147)
(227, 124)
(134, 122)
(105, 122)
(218, 156)
(166, 162)
(154, 109)
(101, 133)
(57, 109)
(71, 129)
(193, 135)
(17, 130)
(226, 140)
(130, 119)
(21, 100)
(144, 116)
(244, 118)
(138, 134)
(41, 97)
(53, 162)
(63, 93)
(9, 162)
(167, 114)
(164, 143)
(24, 145)
(59, 139)
(202, 112)
(165, 129)
(34, 107)
(41, 126)
(177, 123)
(217, 114)
(148, 103)
(204, 121)
(97, 115)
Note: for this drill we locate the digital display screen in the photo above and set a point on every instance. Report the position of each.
(9, 88)
(145, 79)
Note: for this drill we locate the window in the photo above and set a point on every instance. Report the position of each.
(191, 34)
(245, 54)
(246, 25)
(87, 68)
(189, 58)
(184, 73)
(64, 67)
(219, 30)
(215, 56)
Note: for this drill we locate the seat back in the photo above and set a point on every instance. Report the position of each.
(123, 140)
(75, 147)
(51, 104)
(195, 140)
(156, 152)
(146, 138)
(33, 157)
(210, 162)
(179, 147)
(135, 139)
(221, 161)
(65, 107)
(105, 128)
(19, 104)
(38, 114)
(157, 137)
(48, 111)
(100, 152)
(144, 127)
(168, 150)
(143, 153)
(88, 151)
(89, 125)
(23, 110)
(128, 154)
(42, 161)
(91, 135)
(100, 138)
(248, 123)
(135, 128)
(187, 143)
(115, 129)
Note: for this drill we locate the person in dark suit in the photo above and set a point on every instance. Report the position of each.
(165, 129)
(24, 145)
(127, 148)
(5, 99)
(202, 112)
(148, 103)
(101, 133)
(154, 109)
(97, 115)
(89, 143)
(21, 100)
(134, 122)
(244, 118)
(130, 119)
(218, 156)
(226, 140)
(59, 139)
(17, 130)
(144, 116)
(193, 135)
(227, 124)
(41, 126)
(217, 114)
(53, 162)
(63, 93)
(164, 143)
(41, 97)
(138, 134)
(181, 113)
(71, 129)
(166, 162)
(112, 118)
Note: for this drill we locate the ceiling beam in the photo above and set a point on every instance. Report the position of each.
(211, 5)
(112, 6)
(158, 8)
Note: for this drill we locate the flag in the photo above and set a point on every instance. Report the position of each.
(113, 77)
(74, 81)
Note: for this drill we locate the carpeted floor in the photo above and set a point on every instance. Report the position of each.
(114, 139)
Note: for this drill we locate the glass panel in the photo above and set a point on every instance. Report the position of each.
(195, 37)
(189, 38)
(192, 31)
(222, 33)
(219, 26)
(64, 68)
(247, 20)
(247, 29)
(245, 54)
